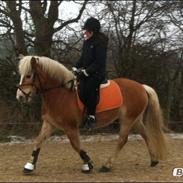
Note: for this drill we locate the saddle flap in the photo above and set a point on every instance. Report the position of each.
(110, 97)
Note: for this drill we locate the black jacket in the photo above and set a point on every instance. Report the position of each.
(93, 57)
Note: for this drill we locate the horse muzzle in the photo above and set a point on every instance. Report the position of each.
(24, 96)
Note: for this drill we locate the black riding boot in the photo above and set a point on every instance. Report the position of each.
(90, 122)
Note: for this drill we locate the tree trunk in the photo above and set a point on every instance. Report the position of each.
(14, 14)
(43, 25)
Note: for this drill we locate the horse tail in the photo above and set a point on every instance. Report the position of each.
(154, 123)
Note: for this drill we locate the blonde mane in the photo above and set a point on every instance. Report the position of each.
(53, 68)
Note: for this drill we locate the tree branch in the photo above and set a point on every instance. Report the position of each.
(72, 20)
(53, 12)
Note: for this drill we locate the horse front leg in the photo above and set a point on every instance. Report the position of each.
(45, 132)
(73, 135)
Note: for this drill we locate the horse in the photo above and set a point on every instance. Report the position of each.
(140, 110)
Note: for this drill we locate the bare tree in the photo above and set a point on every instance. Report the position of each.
(13, 11)
(133, 22)
(175, 99)
(44, 15)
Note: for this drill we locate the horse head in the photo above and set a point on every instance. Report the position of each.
(29, 83)
(40, 74)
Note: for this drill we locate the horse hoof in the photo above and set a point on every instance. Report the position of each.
(154, 163)
(87, 168)
(104, 169)
(27, 171)
(28, 168)
(86, 171)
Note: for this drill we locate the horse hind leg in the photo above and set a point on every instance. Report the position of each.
(139, 126)
(73, 135)
(45, 132)
(122, 140)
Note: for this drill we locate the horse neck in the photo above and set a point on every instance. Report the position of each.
(58, 96)
(51, 83)
(46, 82)
(64, 95)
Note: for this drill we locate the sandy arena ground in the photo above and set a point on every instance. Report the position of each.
(59, 162)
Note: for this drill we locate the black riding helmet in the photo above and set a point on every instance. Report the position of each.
(92, 24)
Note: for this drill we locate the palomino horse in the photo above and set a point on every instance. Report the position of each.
(140, 110)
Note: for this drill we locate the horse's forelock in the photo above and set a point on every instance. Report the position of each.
(25, 65)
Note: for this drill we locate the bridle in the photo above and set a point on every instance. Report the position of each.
(41, 89)
(19, 86)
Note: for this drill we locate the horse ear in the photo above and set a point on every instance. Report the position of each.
(33, 62)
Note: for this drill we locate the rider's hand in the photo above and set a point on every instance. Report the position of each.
(80, 73)
(74, 69)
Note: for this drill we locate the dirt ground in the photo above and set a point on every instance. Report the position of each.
(59, 162)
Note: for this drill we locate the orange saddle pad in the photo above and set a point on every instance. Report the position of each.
(110, 98)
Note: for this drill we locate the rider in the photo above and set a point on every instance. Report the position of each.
(91, 68)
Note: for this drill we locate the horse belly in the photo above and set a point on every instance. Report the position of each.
(107, 117)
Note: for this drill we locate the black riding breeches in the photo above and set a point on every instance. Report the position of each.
(89, 93)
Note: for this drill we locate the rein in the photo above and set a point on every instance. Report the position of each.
(59, 86)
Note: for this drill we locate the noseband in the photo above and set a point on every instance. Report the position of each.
(27, 95)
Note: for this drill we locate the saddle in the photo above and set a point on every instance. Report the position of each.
(110, 97)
